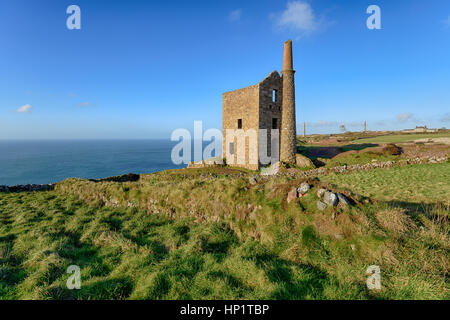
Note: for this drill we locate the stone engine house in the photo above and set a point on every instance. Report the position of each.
(261, 106)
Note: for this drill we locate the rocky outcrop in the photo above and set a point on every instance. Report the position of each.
(343, 199)
(28, 188)
(208, 163)
(253, 180)
(330, 198)
(298, 192)
(292, 195)
(51, 186)
(271, 170)
(321, 192)
(321, 205)
(129, 177)
(303, 162)
(304, 188)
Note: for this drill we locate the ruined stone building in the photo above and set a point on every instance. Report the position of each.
(270, 104)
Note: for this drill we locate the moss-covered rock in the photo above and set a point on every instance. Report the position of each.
(303, 162)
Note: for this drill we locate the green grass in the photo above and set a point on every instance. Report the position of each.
(358, 158)
(402, 137)
(129, 254)
(203, 234)
(359, 154)
(427, 183)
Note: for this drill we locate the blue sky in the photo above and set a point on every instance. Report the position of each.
(140, 69)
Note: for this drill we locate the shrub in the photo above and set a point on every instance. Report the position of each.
(392, 150)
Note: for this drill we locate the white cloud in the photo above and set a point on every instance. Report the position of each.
(24, 109)
(235, 15)
(298, 16)
(447, 22)
(85, 104)
(324, 124)
(403, 117)
(341, 125)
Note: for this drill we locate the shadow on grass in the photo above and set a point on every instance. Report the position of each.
(107, 289)
(328, 152)
(309, 284)
(358, 146)
(414, 208)
(235, 284)
(99, 265)
(83, 255)
(11, 271)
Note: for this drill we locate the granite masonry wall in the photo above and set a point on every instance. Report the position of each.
(288, 129)
(255, 107)
(270, 104)
(241, 104)
(269, 109)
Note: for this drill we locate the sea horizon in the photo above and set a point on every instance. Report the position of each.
(44, 161)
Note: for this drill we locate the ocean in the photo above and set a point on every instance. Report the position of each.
(48, 161)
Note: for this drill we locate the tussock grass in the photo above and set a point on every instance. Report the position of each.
(210, 234)
(359, 158)
(394, 220)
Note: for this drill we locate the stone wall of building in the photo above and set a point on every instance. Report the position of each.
(255, 106)
(241, 104)
(258, 109)
(268, 109)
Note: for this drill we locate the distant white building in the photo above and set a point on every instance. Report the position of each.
(418, 129)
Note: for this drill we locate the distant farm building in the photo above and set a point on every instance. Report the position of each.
(418, 129)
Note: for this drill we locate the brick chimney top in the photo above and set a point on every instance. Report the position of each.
(287, 56)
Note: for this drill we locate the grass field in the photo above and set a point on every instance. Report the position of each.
(360, 158)
(396, 138)
(427, 183)
(202, 234)
(130, 254)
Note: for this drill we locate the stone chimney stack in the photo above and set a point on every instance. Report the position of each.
(288, 147)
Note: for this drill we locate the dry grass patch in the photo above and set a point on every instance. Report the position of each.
(395, 220)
